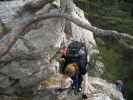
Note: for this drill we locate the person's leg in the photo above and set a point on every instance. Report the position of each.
(80, 82)
(77, 82)
(74, 81)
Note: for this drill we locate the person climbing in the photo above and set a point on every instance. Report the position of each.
(62, 55)
(62, 81)
(120, 86)
(66, 81)
(70, 71)
(77, 53)
(59, 56)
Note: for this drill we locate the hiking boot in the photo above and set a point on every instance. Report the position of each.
(79, 89)
(73, 87)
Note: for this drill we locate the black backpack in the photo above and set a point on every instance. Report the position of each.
(73, 56)
(73, 49)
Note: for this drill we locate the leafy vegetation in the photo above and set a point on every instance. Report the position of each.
(3, 28)
(115, 15)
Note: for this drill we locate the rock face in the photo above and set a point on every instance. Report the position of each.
(21, 70)
(8, 9)
(100, 90)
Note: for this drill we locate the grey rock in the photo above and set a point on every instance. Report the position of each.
(45, 95)
(47, 39)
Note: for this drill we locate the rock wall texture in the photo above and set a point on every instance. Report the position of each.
(21, 69)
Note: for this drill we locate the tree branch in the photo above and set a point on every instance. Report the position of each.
(125, 44)
(33, 6)
(27, 12)
(22, 26)
(97, 31)
(10, 39)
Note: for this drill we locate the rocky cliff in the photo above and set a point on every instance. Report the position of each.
(23, 68)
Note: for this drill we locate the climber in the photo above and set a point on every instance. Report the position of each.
(63, 81)
(76, 53)
(66, 81)
(70, 71)
(120, 86)
(59, 55)
(62, 55)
